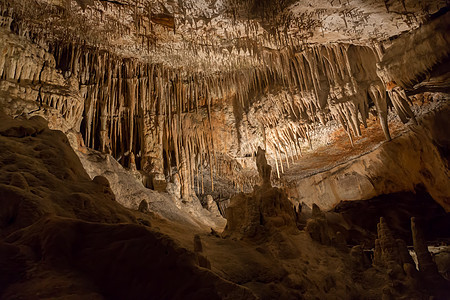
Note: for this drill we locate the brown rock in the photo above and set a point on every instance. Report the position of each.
(389, 252)
(358, 255)
(427, 268)
(264, 169)
(253, 213)
(18, 180)
(318, 230)
(265, 209)
(143, 206)
(198, 247)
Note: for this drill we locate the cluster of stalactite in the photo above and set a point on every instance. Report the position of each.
(162, 117)
(285, 28)
(321, 83)
(159, 117)
(336, 81)
(231, 176)
(141, 28)
(111, 25)
(28, 80)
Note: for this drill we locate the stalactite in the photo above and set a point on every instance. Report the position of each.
(134, 106)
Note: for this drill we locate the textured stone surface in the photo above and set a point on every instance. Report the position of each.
(392, 255)
(40, 175)
(130, 192)
(88, 246)
(166, 102)
(63, 235)
(387, 169)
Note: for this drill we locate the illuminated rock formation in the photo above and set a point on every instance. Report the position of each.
(134, 96)
(187, 117)
(265, 210)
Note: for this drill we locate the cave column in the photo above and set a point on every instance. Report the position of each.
(104, 140)
(400, 103)
(378, 94)
(185, 176)
(152, 158)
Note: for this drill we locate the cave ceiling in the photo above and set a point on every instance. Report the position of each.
(222, 35)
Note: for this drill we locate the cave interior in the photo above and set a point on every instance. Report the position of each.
(285, 149)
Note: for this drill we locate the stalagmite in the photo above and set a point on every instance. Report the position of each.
(264, 169)
(425, 262)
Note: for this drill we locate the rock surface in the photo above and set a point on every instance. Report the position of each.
(130, 192)
(56, 246)
(64, 234)
(387, 169)
(392, 255)
(40, 175)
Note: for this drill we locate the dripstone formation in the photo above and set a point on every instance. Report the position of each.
(224, 149)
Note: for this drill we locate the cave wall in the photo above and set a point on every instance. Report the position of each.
(413, 55)
(31, 83)
(410, 160)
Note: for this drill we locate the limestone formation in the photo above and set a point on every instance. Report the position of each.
(211, 205)
(143, 206)
(360, 258)
(198, 249)
(326, 229)
(130, 129)
(90, 79)
(265, 210)
(264, 169)
(317, 226)
(427, 268)
(392, 255)
(63, 220)
(385, 170)
(388, 250)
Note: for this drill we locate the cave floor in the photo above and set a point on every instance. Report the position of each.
(286, 264)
